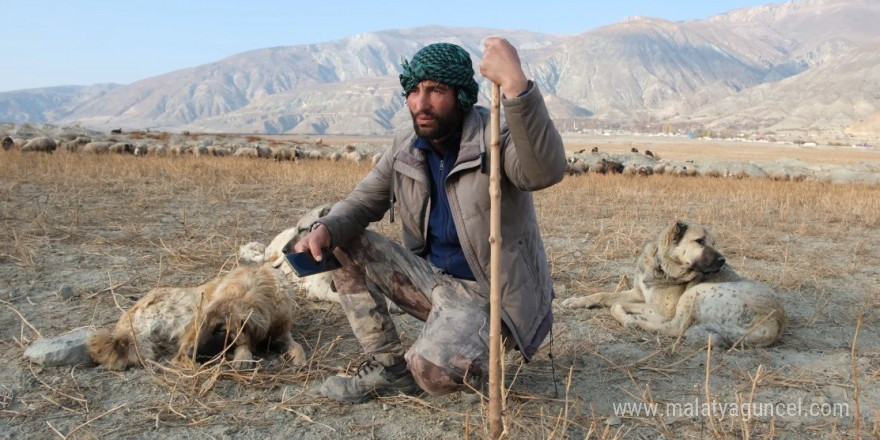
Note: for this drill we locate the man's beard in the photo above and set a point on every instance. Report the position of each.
(443, 125)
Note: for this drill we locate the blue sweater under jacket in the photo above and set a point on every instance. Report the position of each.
(443, 246)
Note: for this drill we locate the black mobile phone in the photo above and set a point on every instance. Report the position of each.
(304, 265)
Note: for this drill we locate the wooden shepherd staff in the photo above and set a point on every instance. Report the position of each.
(496, 424)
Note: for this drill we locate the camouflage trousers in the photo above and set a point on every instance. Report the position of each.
(452, 352)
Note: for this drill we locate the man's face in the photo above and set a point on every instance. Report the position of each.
(434, 110)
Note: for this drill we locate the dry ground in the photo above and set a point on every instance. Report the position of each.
(112, 227)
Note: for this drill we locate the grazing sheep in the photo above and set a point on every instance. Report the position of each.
(40, 144)
(116, 131)
(140, 150)
(280, 153)
(246, 152)
(73, 145)
(354, 156)
(8, 143)
(122, 148)
(97, 147)
(263, 152)
(158, 150)
(688, 171)
(649, 153)
(607, 166)
(779, 176)
(576, 167)
(180, 150)
(595, 150)
(634, 150)
(615, 167)
(220, 151)
(713, 171)
(70, 146)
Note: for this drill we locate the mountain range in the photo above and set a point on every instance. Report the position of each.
(807, 68)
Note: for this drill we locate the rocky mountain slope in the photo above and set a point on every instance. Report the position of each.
(745, 70)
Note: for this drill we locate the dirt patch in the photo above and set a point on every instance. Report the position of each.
(109, 228)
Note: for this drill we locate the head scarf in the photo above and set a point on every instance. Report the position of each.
(445, 63)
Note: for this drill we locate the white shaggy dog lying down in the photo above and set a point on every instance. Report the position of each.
(318, 286)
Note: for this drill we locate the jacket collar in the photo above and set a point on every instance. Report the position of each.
(472, 139)
(473, 145)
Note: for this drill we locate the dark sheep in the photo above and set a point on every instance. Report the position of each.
(607, 166)
(649, 153)
(595, 150)
(116, 131)
(8, 143)
(614, 167)
(122, 148)
(634, 150)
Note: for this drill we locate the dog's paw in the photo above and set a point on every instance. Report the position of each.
(571, 303)
(580, 302)
(243, 359)
(252, 252)
(243, 364)
(297, 355)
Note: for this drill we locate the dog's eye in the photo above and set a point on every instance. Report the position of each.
(701, 241)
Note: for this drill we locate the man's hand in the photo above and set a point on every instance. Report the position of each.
(314, 241)
(502, 66)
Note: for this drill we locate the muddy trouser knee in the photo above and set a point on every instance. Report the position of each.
(373, 268)
(454, 343)
(452, 353)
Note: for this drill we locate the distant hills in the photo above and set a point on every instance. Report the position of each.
(799, 68)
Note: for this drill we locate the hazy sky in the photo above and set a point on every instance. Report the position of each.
(62, 42)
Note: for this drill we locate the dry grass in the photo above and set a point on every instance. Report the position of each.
(115, 226)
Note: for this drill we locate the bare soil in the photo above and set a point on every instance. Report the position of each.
(112, 227)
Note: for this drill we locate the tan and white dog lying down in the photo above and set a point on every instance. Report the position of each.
(247, 310)
(683, 285)
(318, 286)
(242, 312)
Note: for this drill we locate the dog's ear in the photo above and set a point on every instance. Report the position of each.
(676, 232)
(324, 210)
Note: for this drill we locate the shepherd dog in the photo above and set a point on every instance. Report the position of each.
(319, 286)
(247, 310)
(684, 286)
(232, 317)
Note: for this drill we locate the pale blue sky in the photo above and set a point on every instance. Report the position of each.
(82, 42)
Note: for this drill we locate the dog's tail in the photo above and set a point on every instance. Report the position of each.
(723, 335)
(113, 351)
